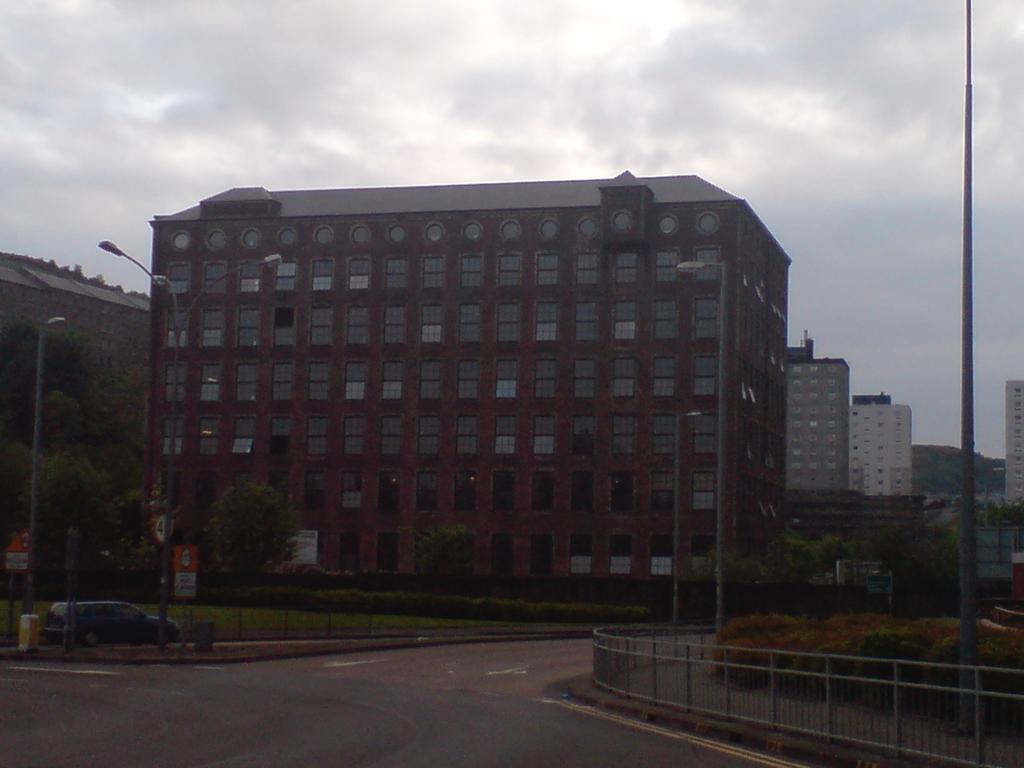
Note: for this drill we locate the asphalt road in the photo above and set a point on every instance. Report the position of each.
(470, 705)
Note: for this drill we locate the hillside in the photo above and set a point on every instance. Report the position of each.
(937, 471)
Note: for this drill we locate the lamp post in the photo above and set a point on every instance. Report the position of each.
(165, 554)
(677, 488)
(29, 599)
(723, 315)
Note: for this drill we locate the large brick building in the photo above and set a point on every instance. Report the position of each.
(510, 357)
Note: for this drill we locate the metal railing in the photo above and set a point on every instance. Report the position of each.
(904, 707)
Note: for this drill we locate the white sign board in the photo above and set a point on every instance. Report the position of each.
(16, 562)
(304, 548)
(185, 585)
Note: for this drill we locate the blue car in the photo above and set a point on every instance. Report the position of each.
(106, 621)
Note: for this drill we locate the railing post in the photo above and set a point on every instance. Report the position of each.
(830, 714)
(328, 622)
(979, 721)
(689, 678)
(728, 696)
(239, 622)
(286, 622)
(654, 667)
(898, 736)
(774, 691)
(629, 662)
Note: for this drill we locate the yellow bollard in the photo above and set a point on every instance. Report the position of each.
(28, 633)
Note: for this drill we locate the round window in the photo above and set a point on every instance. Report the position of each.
(433, 231)
(622, 221)
(588, 227)
(360, 234)
(251, 238)
(668, 224)
(396, 233)
(473, 230)
(324, 235)
(510, 230)
(707, 223)
(181, 240)
(216, 239)
(548, 229)
(287, 236)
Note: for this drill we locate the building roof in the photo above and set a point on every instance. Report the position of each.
(21, 270)
(461, 197)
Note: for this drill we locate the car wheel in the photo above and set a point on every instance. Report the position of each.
(91, 639)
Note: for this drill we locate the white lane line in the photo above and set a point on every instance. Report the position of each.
(512, 671)
(66, 671)
(206, 666)
(336, 664)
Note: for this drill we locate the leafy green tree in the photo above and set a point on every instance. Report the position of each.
(1003, 514)
(252, 526)
(15, 469)
(445, 550)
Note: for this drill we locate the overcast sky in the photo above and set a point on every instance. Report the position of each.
(840, 121)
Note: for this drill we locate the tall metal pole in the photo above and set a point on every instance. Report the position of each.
(968, 553)
(29, 596)
(723, 316)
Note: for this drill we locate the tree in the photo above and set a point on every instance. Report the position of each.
(252, 526)
(1003, 514)
(445, 550)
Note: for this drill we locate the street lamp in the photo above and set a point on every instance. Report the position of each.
(28, 600)
(165, 555)
(723, 315)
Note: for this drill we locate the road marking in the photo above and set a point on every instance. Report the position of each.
(726, 749)
(206, 666)
(66, 671)
(512, 671)
(336, 664)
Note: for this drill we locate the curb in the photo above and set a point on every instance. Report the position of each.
(779, 743)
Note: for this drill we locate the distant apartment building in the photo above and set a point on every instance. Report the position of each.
(116, 323)
(880, 446)
(1015, 440)
(817, 420)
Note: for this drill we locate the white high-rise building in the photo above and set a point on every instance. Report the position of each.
(1015, 440)
(881, 462)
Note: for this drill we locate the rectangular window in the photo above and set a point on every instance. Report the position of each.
(710, 255)
(704, 433)
(470, 271)
(351, 489)
(586, 321)
(469, 379)
(663, 433)
(355, 380)
(318, 381)
(625, 319)
(502, 554)
(249, 277)
(177, 324)
(581, 548)
(542, 550)
(542, 491)
(469, 322)
(430, 379)
(433, 272)
(245, 382)
(429, 435)
(582, 491)
(323, 274)
(661, 555)
(704, 374)
(426, 491)
(357, 330)
(391, 434)
(623, 434)
(214, 277)
(213, 327)
(286, 272)
(354, 427)
(387, 551)
(465, 490)
(394, 325)
(586, 268)
(703, 490)
(584, 378)
(395, 273)
(543, 435)
(505, 435)
(174, 428)
(503, 496)
(625, 268)
(209, 382)
(179, 277)
(623, 377)
(248, 326)
(621, 550)
(431, 328)
(547, 269)
(392, 373)
(622, 491)
(284, 326)
(244, 432)
(174, 382)
(544, 377)
(358, 273)
(388, 491)
(320, 325)
(508, 322)
(665, 266)
(282, 376)
(466, 435)
(546, 322)
(280, 435)
(316, 435)
(705, 318)
(209, 438)
(666, 321)
(509, 269)
(506, 378)
(664, 382)
(584, 427)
